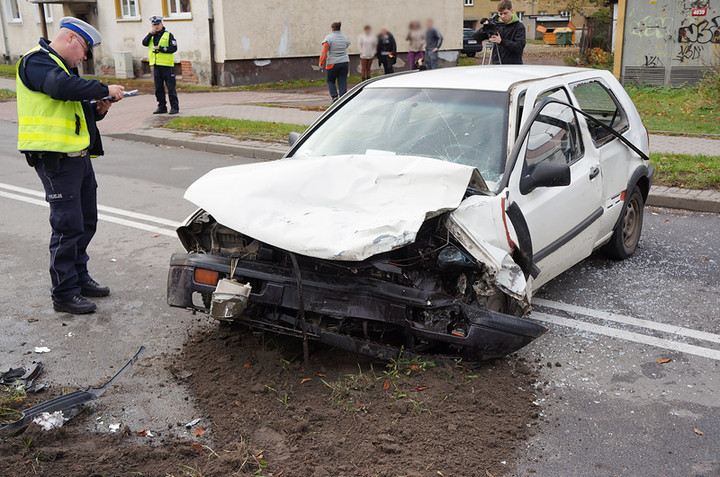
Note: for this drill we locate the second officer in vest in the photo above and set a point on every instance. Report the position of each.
(161, 54)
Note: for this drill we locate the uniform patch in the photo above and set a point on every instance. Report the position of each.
(55, 196)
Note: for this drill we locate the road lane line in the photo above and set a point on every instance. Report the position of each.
(106, 218)
(629, 320)
(628, 335)
(102, 208)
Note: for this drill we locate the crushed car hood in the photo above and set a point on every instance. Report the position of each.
(340, 207)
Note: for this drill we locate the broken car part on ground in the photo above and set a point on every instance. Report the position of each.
(69, 404)
(413, 227)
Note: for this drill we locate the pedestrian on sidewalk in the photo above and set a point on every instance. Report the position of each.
(335, 61)
(386, 50)
(161, 54)
(416, 39)
(57, 111)
(433, 42)
(367, 43)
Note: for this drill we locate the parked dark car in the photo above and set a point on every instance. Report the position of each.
(470, 46)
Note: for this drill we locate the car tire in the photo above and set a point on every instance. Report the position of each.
(626, 236)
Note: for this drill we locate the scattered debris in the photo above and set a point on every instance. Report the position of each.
(114, 427)
(142, 433)
(49, 421)
(20, 378)
(192, 423)
(41, 349)
(305, 380)
(664, 360)
(68, 403)
(113, 260)
(199, 432)
(698, 431)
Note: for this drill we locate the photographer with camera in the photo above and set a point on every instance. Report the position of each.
(507, 35)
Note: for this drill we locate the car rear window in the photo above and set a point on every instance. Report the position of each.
(597, 101)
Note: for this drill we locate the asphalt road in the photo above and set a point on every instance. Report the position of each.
(609, 408)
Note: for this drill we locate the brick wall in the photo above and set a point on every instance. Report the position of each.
(188, 74)
(108, 70)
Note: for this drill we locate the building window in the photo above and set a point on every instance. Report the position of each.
(48, 13)
(127, 9)
(13, 11)
(177, 9)
(468, 3)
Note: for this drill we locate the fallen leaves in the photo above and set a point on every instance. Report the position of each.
(142, 433)
(698, 431)
(239, 404)
(305, 380)
(199, 432)
(198, 447)
(664, 360)
(421, 388)
(321, 375)
(386, 384)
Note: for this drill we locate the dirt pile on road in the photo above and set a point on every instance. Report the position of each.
(265, 415)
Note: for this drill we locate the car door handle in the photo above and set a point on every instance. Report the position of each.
(594, 172)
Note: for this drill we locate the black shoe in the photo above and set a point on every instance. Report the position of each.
(77, 305)
(93, 288)
(174, 110)
(160, 111)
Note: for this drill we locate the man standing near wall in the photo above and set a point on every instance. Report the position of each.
(57, 111)
(508, 37)
(433, 42)
(161, 53)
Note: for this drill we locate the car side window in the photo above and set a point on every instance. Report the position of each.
(597, 101)
(553, 137)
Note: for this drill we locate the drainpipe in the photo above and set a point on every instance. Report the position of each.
(211, 33)
(6, 56)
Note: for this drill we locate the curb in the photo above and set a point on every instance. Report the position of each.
(688, 199)
(660, 196)
(261, 150)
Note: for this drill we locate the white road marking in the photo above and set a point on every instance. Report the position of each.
(629, 320)
(106, 218)
(102, 208)
(628, 336)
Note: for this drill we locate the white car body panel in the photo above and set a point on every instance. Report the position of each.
(337, 208)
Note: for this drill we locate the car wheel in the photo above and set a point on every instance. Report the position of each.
(625, 239)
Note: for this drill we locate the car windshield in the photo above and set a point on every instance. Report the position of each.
(468, 33)
(462, 126)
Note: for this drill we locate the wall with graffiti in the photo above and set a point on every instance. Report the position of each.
(670, 42)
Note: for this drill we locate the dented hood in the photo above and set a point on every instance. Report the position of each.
(339, 207)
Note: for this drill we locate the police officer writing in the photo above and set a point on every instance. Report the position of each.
(508, 36)
(161, 48)
(57, 111)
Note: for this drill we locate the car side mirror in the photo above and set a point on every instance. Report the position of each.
(545, 174)
(293, 138)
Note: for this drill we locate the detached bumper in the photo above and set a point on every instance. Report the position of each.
(488, 334)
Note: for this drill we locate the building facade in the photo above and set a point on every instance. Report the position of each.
(227, 42)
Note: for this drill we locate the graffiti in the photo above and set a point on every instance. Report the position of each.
(689, 52)
(704, 31)
(652, 61)
(650, 26)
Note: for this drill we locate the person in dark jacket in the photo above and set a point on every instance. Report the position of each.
(386, 50)
(162, 46)
(509, 42)
(57, 111)
(433, 42)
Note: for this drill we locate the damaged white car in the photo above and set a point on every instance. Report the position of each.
(421, 211)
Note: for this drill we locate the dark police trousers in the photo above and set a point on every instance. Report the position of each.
(165, 75)
(71, 191)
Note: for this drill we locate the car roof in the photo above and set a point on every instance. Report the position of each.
(486, 78)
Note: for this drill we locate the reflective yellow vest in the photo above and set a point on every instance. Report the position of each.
(47, 124)
(158, 57)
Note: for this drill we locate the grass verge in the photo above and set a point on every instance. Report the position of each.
(687, 171)
(240, 128)
(676, 110)
(6, 94)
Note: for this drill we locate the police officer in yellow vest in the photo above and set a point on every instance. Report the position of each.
(57, 111)
(161, 54)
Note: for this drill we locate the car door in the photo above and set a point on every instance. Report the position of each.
(562, 217)
(595, 98)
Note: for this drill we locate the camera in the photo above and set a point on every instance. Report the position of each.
(489, 26)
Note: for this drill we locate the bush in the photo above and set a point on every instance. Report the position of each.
(709, 86)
